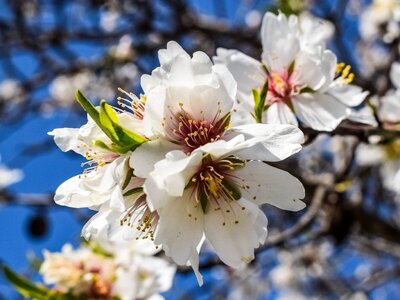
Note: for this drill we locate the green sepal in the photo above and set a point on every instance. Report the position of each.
(88, 107)
(233, 190)
(223, 123)
(128, 178)
(259, 102)
(133, 191)
(28, 289)
(121, 136)
(101, 145)
(204, 202)
(307, 90)
(107, 119)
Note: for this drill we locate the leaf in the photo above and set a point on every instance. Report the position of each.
(27, 288)
(88, 106)
(259, 101)
(107, 119)
(121, 136)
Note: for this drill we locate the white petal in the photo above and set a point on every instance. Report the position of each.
(173, 173)
(66, 138)
(319, 111)
(269, 142)
(165, 56)
(279, 41)
(247, 71)
(365, 115)
(267, 184)
(71, 193)
(280, 113)
(180, 229)
(156, 196)
(349, 94)
(395, 74)
(389, 111)
(143, 159)
(222, 148)
(308, 71)
(155, 111)
(234, 232)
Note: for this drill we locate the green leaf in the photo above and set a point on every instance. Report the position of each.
(107, 120)
(259, 101)
(27, 288)
(101, 145)
(88, 106)
(121, 136)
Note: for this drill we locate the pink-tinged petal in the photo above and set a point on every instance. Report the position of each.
(319, 111)
(180, 229)
(234, 230)
(266, 184)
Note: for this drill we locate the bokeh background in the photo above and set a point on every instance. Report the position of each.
(345, 245)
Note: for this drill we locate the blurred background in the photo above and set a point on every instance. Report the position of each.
(345, 245)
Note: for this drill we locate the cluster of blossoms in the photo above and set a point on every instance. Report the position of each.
(381, 18)
(387, 155)
(118, 271)
(186, 162)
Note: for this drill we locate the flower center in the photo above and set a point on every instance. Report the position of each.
(140, 215)
(96, 159)
(281, 88)
(193, 133)
(215, 181)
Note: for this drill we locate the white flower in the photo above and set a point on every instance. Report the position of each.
(198, 177)
(389, 109)
(78, 271)
(215, 193)
(304, 80)
(125, 272)
(9, 176)
(94, 186)
(388, 157)
(381, 18)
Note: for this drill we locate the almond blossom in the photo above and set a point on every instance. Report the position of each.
(202, 175)
(125, 272)
(107, 184)
(297, 78)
